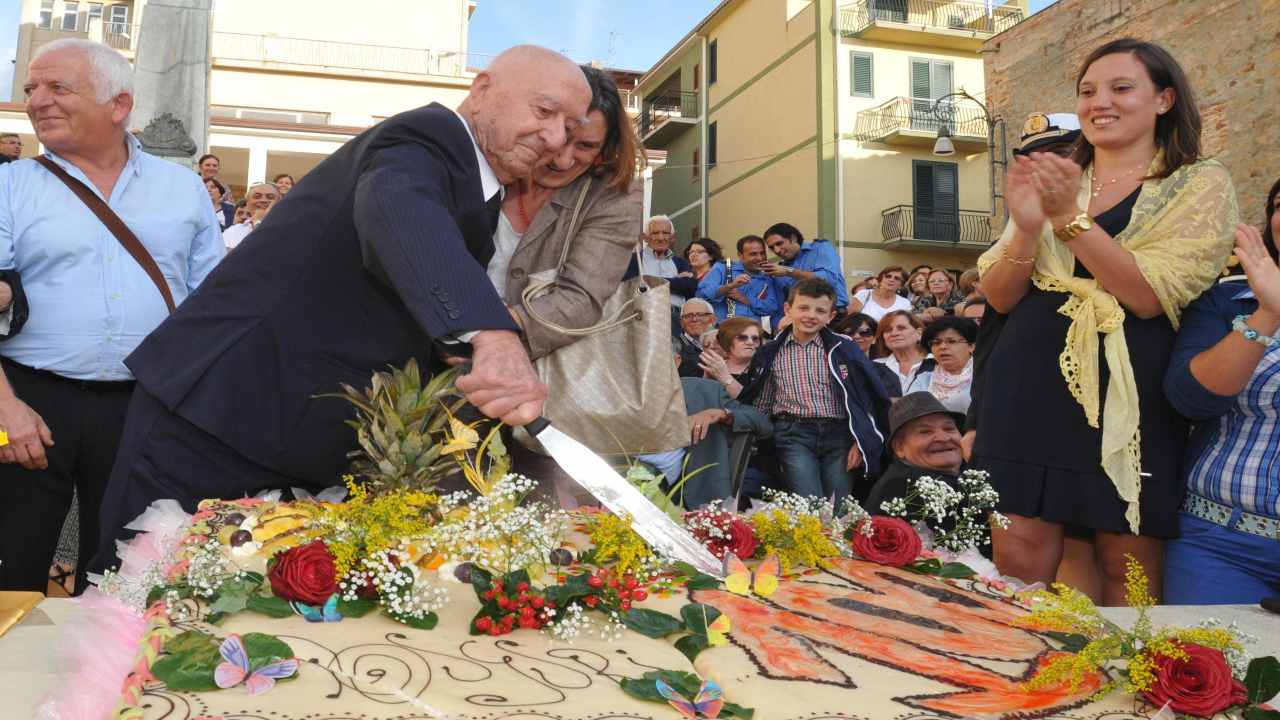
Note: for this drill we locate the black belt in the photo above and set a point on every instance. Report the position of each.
(788, 417)
(94, 385)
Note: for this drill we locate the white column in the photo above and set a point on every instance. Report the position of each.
(648, 192)
(257, 164)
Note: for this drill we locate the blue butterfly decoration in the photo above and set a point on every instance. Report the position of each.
(328, 613)
(706, 704)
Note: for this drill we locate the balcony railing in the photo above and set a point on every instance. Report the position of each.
(657, 109)
(920, 114)
(343, 56)
(859, 15)
(907, 223)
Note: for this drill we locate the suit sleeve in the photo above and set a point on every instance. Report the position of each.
(409, 239)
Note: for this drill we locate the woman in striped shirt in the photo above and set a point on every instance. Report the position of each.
(1225, 375)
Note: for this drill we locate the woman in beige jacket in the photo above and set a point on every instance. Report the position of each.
(536, 216)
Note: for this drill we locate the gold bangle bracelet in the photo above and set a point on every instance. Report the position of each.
(1004, 255)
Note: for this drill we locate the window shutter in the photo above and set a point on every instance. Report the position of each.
(711, 144)
(920, 86)
(923, 186)
(861, 82)
(945, 205)
(941, 80)
(712, 62)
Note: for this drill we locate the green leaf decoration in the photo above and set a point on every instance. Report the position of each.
(481, 581)
(190, 641)
(956, 570)
(265, 649)
(255, 578)
(698, 580)
(687, 684)
(574, 587)
(697, 616)
(189, 663)
(930, 566)
(1262, 679)
(1071, 642)
(271, 606)
(1258, 713)
(425, 623)
(651, 623)
(692, 645)
(356, 608)
(215, 618)
(229, 603)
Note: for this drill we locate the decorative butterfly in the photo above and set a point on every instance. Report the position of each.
(706, 704)
(462, 437)
(235, 669)
(327, 613)
(717, 629)
(742, 581)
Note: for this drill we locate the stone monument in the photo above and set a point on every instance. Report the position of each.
(171, 79)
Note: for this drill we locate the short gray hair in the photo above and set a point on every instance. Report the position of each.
(661, 218)
(698, 301)
(109, 72)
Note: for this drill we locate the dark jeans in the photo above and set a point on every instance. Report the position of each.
(813, 456)
(85, 418)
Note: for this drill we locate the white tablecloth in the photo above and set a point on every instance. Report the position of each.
(29, 665)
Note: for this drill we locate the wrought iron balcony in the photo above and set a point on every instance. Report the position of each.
(916, 121)
(960, 23)
(664, 116)
(930, 227)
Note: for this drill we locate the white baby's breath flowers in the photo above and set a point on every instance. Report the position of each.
(960, 517)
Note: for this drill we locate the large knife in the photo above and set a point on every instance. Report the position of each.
(621, 497)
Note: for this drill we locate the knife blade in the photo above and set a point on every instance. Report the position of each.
(599, 478)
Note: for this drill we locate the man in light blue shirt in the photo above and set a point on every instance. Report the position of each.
(799, 260)
(64, 388)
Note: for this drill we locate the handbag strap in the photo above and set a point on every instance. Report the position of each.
(526, 297)
(117, 227)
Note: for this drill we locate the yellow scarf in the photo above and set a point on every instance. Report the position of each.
(1180, 234)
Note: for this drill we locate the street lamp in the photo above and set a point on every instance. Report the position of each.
(944, 146)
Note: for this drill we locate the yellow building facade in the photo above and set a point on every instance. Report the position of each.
(824, 114)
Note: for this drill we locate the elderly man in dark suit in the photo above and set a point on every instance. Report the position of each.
(378, 258)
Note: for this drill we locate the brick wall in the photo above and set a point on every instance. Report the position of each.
(1230, 49)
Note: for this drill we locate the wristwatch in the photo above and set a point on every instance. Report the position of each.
(1079, 224)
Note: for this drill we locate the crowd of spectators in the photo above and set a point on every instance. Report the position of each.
(1149, 432)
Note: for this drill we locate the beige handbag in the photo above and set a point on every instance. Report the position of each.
(615, 388)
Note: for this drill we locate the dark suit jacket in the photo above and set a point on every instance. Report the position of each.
(381, 250)
(228, 215)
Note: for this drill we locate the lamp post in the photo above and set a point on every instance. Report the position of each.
(944, 147)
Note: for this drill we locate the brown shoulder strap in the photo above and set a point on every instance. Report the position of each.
(115, 225)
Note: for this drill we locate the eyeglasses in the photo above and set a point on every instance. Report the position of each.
(948, 341)
(899, 278)
(748, 338)
(697, 315)
(694, 251)
(866, 332)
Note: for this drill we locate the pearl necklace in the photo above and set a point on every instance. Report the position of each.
(1099, 185)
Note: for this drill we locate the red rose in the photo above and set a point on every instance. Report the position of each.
(892, 541)
(305, 573)
(1201, 685)
(742, 538)
(723, 532)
